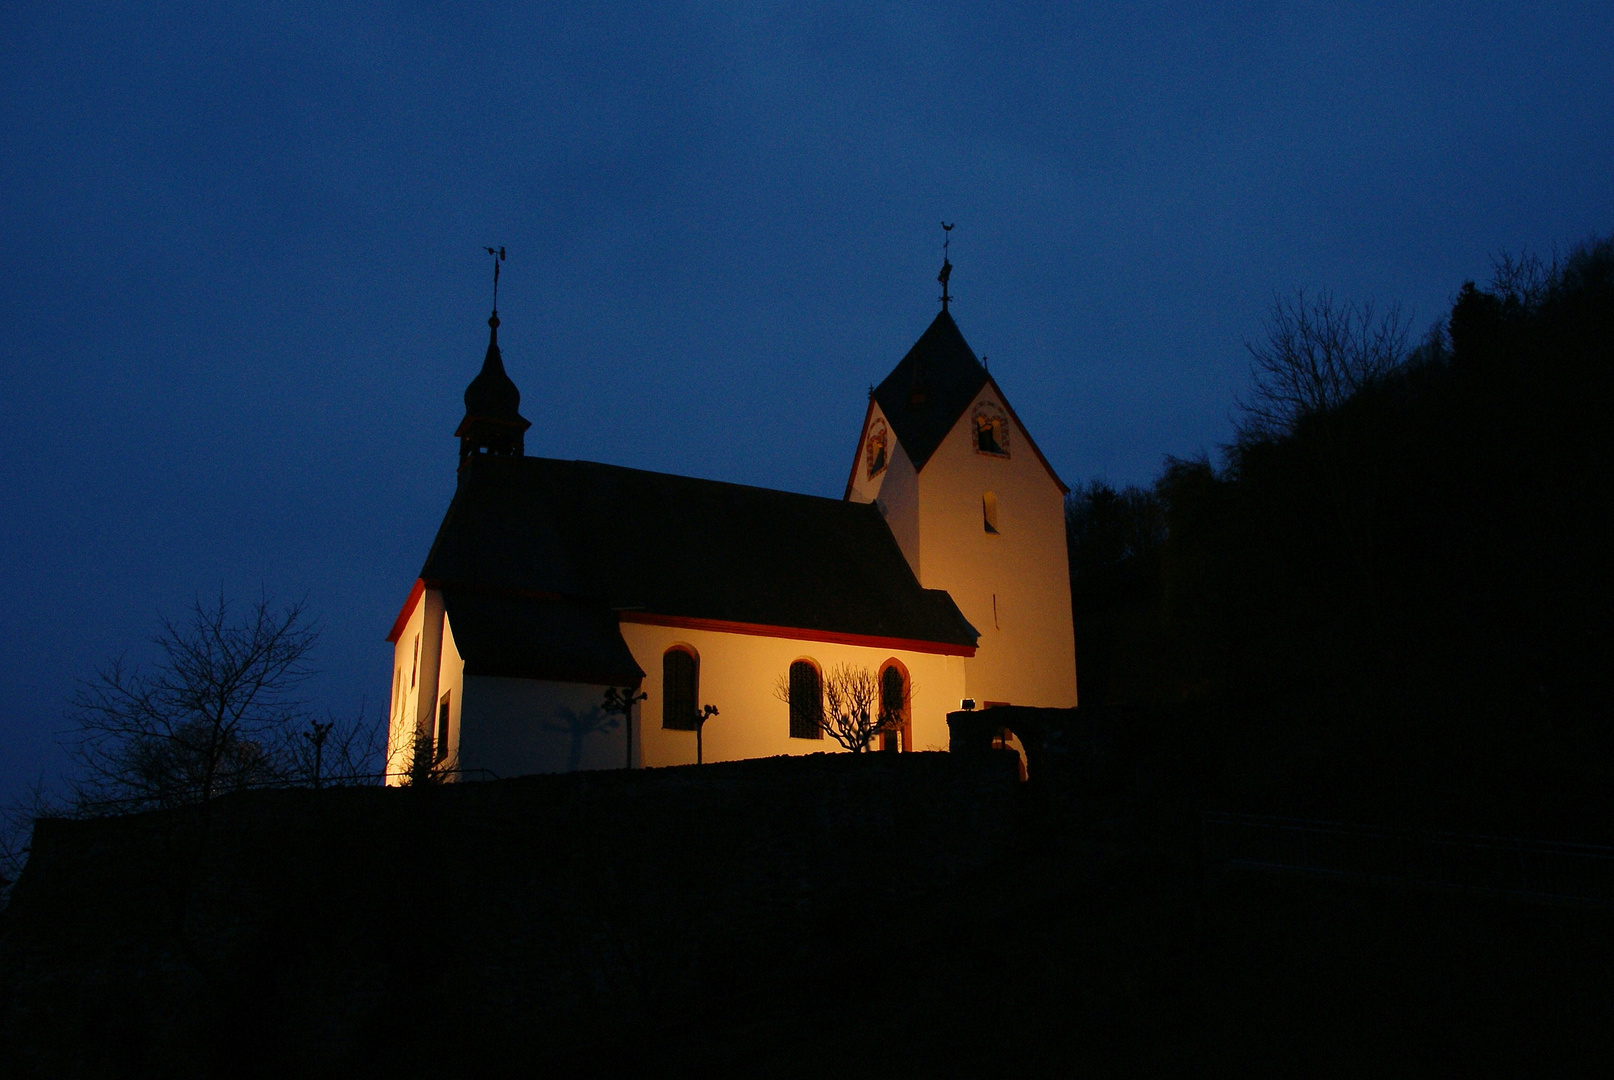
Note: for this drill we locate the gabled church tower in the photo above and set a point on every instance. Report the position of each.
(977, 510)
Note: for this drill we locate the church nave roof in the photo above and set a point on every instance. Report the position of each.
(677, 546)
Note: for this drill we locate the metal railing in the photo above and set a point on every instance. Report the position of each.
(1538, 870)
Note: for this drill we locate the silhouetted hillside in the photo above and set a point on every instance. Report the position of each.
(1406, 597)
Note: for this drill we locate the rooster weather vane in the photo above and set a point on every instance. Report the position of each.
(498, 257)
(947, 266)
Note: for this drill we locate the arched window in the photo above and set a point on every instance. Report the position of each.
(989, 511)
(806, 701)
(894, 695)
(680, 687)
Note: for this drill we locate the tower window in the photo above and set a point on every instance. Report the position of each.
(989, 512)
(680, 687)
(414, 668)
(806, 701)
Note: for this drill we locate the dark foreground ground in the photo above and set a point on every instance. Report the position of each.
(1137, 965)
(832, 917)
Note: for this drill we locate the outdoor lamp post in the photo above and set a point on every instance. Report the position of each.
(706, 713)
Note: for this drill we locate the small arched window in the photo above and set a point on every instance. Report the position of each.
(680, 687)
(806, 701)
(893, 694)
(989, 512)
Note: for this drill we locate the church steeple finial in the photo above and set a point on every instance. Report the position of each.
(493, 422)
(947, 266)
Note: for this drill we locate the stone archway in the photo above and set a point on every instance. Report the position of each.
(1040, 732)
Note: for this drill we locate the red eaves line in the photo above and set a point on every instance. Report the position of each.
(722, 626)
(408, 609)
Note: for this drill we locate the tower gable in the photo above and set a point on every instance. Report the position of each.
(882, 474)
(930, 392)
(978, 512)
(929, 388)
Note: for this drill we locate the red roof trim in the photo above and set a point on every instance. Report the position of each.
(722, 626)
(402, 620)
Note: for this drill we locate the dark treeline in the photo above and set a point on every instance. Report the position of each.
(1395, 604)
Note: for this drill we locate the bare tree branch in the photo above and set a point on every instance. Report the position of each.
(211, 715)
(1316, 354)
(854, 710)
(17, 817)
(333, 750)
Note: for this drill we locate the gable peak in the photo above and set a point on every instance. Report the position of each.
(929, 389)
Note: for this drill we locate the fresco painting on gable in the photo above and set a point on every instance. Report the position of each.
(991, 430)
(877, 449)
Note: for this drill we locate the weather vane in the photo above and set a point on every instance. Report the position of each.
(947, 266)
(498, 257)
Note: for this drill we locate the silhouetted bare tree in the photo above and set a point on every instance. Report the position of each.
(855, 711)
(214, 713)
(1317, 352)
(17, 817)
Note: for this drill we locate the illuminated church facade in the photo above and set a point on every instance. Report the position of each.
(550, 583)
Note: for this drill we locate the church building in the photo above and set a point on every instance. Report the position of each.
(942, 571)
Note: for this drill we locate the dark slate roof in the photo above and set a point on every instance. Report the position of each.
(929, 390)
(526, 638)
(682, 547)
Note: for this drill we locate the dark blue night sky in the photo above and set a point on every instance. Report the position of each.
(244, 285)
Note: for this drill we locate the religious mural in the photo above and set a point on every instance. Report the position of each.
(991, 430)
(876, 453)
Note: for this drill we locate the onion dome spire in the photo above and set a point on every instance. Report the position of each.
(493, 422)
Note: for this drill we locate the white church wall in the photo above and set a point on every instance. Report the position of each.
(451, 683)
(895, 490)
(1013, 586)
(431, 659)
(515, 727)
(422, 685)
(406, 697)
(738, 673)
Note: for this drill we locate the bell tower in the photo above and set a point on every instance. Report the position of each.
(977, 510)
(493, 422)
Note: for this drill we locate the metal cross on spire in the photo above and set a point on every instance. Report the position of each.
(947, 266)
(498, 257)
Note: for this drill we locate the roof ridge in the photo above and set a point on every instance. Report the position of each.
(782, 492)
